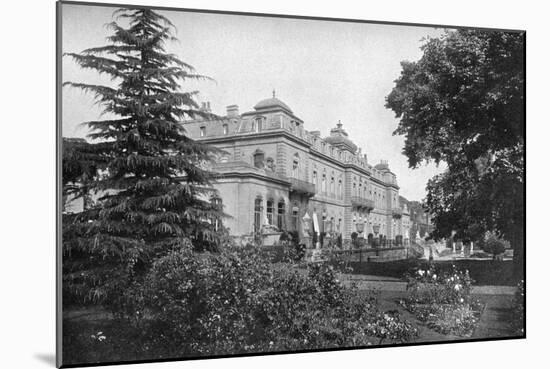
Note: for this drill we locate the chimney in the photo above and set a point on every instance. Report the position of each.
(315, 133)
(232, 111)
(208, 106)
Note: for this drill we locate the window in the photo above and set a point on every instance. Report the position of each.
(340, 188)
(257, 214)
(324, 184)
(203, 131)
(217, 203)
(257, 125)
(295, 218)
(315, 177)
(259, 159)
(270, 212)
(354, 189)
(225, 129)
(295, 165)
(332, 186)
(281, 215)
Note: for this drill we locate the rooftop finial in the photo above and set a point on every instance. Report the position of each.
(273, 93)
(339, 125)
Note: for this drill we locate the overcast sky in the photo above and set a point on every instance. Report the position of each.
(325, 71)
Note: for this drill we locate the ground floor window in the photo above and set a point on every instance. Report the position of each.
(216, 221)
(280, 215)
(257, 214)
(295, 219)
(270, 212)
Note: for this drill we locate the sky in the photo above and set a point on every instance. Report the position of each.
(325, 71)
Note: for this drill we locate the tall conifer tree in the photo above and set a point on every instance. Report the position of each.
(154, 190)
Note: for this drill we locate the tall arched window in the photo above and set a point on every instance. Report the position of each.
(354, 189)
(340, 194)
(225, 129)
(324, 184)
(281, 215)
(257, 214)
(270, 211)
(332, 186)
(314, 178)
(295, 217)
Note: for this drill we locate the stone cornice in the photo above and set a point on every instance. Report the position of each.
(281, 132)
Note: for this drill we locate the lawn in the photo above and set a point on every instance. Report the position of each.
(484, 272)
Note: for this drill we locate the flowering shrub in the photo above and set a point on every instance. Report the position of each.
(428, 286)
(236, 302)
(443, 300)
(389, 326)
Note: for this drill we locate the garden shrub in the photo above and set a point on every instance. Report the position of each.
(494, 245)
(443, 300)
(237, 302)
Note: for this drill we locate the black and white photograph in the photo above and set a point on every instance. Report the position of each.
(240, 184)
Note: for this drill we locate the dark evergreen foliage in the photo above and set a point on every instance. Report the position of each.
(462, 104)
(150, 180)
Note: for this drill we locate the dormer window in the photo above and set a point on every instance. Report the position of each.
(257, 124)
(203, 131)
(225, 129)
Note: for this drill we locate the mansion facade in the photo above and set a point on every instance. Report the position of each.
(273, 172)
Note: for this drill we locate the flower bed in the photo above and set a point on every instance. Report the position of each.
(443, 301)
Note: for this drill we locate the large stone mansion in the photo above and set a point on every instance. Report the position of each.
(274, 171)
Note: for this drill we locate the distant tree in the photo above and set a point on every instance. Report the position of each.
(462, 104)
(151, 180)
